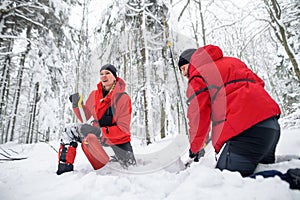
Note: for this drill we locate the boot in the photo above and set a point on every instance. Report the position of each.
(66, 157)
(63, 167)
(293, 177)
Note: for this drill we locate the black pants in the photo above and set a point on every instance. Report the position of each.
(122, 147)
(123, 151)
(255, 145)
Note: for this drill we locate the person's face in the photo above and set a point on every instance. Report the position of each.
(107, 78)
(184, 69)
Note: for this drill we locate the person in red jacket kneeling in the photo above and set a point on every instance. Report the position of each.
(225, 94)
(110, 107)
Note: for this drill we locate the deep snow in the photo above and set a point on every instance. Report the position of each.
(157, 175)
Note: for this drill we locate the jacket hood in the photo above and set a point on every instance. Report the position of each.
(204, 55)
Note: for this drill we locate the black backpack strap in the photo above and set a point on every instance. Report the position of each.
(117, 100)
(119, 97)
(200, 91)
(217, 87)
(239, 80)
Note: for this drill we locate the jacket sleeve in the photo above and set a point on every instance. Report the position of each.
(87, 107)
(199, 112)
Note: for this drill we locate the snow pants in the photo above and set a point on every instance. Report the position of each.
(121, 150)
(124, 153)
(253, 146)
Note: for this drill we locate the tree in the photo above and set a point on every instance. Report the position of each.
(278, 23)
(27, 24)
(141, 55)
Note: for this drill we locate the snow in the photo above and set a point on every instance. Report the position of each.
(157, 176)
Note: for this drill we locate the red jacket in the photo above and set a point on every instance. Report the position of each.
(224, 91)
(96, 106)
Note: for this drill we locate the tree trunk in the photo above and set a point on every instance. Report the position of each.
(20, 77)
(144, 69)
(4, 90)
(32, 124)
(4, 97)
(280, 32)
(47, 139)
(202, 23)
(162, 122)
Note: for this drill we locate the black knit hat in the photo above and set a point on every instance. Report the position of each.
(185, 57)
(110, 68)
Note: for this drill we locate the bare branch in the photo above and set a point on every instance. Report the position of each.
(186, 5)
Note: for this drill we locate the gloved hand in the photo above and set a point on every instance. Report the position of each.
(196, 156)
(74, 144)
(75, 98)
(86, 129)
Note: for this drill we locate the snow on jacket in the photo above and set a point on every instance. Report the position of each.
(96, 106)
(225, 93)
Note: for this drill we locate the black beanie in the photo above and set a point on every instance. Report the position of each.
(110, 68)
(185, 57)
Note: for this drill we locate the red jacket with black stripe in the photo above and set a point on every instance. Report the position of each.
(223, 93)
(96, 106)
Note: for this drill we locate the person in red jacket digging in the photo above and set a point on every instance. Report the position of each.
(110, 108)
(224, 94)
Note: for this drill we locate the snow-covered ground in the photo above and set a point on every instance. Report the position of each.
(157, 175)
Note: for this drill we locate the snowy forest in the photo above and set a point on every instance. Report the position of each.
(50, 49)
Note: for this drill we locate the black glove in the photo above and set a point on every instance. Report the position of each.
(85, 129)
(74, 98)
(74, 144)
(196, 156)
